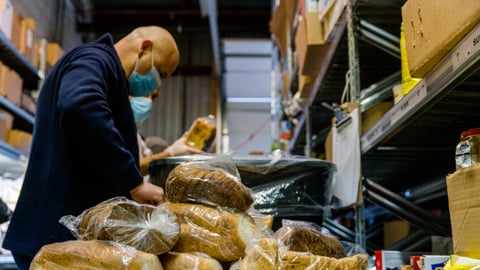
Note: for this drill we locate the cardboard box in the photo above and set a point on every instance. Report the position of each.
(19, 139)
(11, 85)
(29, 103)
(371, 116)
(389, 259)
(16, 29)
(310, 45)
(54, 52)
(329, 12)
(305, 85)
(394, 231)
(463, 187)
(279, 28)
(6, 122)
(27, 44)
(433, 28)
(6, 14)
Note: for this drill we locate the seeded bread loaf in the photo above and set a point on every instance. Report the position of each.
(307, 239)
(221, 234)
(93, 254)
(144, 227)
(198, 183)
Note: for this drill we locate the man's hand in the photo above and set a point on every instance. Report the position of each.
(180, 148)
(147, 193)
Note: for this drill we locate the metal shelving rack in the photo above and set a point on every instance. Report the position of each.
(10, 56)
(409, 151)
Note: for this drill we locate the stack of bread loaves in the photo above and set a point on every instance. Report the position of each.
(300, 247)
(115, 234)
(211, 204)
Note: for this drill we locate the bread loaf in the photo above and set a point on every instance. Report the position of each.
(263, 255)
(221, 234)
(87, 255)
(144, 227)
(199, 183)
(293, 260)
(308, 239)
(189, 261)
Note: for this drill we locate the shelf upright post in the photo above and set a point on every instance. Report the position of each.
(354, 88)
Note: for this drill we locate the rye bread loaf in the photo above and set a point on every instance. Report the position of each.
(147, 228)
(308, 239)
(221, 234)
(199, 183)
(93, 254)
(189, 261)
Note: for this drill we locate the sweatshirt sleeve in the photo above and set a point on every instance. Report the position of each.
(86, 116)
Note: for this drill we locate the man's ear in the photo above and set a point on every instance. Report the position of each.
(146, 46)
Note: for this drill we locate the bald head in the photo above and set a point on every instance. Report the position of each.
(135, 50)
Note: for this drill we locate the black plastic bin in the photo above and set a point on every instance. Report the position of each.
(286, 186)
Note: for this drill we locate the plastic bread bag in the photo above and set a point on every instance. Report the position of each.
(214, 182)
(303, 236)
(93, 255)
(218, 232)
(147, 228)
(189, 261)
(304, 260)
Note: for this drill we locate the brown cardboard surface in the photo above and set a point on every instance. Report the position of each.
(11, 85)
(463, 187)
(333, 10)
(371, 116)
(433, 28)
(27, 40)
(278, 27)
(29, 103)
(19, 139)
(54, 52)
(310, 46)
(6, 121)
(393, 231)
(16, 29)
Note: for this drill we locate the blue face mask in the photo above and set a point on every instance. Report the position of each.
(141, 107)
(143, 85)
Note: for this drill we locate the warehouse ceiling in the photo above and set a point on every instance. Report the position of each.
(246, 18)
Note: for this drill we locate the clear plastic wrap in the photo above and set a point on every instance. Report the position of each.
(214, 182)
(303, 236)
(93, 255)
(281, 185)
(147, 228)
(217, 232)
(189, 261)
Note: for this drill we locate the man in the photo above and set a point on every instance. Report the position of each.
(84, 147)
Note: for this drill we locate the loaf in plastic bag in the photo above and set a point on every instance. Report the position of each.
(152, 229)
(93, 255)
(189, 261)
(307, 237)
(217, 232)
(215, 182)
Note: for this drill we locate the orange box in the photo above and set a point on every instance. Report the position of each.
(19, 139)
(6, 122)
(54, 52)
(29, 103)
(11, 85)
(16, 29)
(310, 45)
(27, 44)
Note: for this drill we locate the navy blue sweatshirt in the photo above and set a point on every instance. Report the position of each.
(84, 147)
